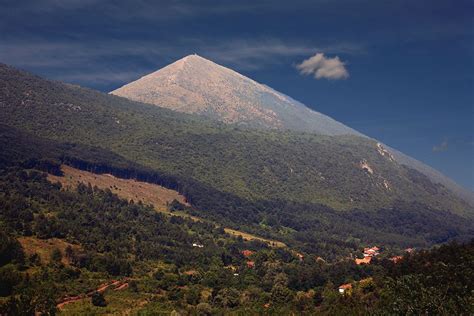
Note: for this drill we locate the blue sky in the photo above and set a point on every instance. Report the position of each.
(409, 63)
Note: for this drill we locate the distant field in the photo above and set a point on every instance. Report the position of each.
(147, 193)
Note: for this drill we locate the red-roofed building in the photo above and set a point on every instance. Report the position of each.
(250, 264)
(365, 260)
(344, 287)
(371, 252)
(247, 253)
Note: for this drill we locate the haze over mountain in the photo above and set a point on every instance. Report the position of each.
(196, 85)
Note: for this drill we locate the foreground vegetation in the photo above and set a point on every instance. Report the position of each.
(108, 239)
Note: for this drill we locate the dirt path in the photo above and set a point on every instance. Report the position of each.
(116, 284)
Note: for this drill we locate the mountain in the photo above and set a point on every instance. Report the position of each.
(317, 191)
(196, 85)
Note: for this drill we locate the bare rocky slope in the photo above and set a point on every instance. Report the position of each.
(196, 85)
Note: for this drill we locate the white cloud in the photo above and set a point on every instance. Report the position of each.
(441, 147)
(323, 67)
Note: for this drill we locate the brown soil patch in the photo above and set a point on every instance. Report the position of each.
(128, 189)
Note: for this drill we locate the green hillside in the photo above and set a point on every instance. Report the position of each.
(273, 183)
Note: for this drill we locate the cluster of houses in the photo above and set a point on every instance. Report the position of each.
(372, 252)
(369, 253)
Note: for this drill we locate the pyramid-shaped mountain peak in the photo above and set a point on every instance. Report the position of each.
(194, 84)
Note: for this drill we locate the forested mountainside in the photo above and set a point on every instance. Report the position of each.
(312, 228)
(196, 85)
(343, 172)
(284, 184)
(86, 251)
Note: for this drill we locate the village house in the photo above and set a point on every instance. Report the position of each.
(247, 253)
(396, 259)
(250, 264)
(365, 260)
(371, 252)
(198, 245)
(345, 287)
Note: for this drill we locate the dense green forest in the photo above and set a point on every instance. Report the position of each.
(119, 239)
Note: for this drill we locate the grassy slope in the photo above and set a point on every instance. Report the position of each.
(253, 165)
(129, 189)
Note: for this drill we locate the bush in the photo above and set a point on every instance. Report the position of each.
(98, 299)
(9, 278)
(56, 256)
(204, 309)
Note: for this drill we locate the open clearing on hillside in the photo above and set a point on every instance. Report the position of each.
(147, 193)
(129, 189)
